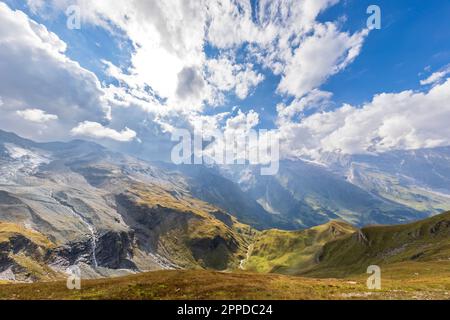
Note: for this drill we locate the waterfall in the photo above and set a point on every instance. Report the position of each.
(89, 226)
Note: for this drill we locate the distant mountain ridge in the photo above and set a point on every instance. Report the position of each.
(114, 214)
(110, 213)
(419, 179)
(395, 187)
(307, 195)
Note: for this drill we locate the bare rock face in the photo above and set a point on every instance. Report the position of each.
(113, 251)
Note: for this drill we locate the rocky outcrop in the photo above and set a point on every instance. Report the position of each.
(113, 250)
(183, 237)
(23, 254)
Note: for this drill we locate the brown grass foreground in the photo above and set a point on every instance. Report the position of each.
(208, 285)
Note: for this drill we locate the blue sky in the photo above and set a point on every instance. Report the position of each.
(414, 35)
(412, 44)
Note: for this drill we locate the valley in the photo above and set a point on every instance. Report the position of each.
(225, 150)
(142, 230)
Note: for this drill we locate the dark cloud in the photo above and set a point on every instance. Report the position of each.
(190, 83)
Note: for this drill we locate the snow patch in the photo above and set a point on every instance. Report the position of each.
(20, 161)
(31, 157)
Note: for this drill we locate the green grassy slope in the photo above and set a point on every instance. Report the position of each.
(289, 252)
(332, 260)
(424, 241)
(339, 250)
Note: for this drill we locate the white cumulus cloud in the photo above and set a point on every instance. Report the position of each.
(34, 70)
(171, 79)
(98, 131)
(391, 121)
(226, 75)
(436, 77)
(319, 56)
(36, 115)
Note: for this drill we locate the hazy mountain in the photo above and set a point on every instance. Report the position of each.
(307, 194)
(106, 211)
(419, 179)
(79, 203)
(208, 184)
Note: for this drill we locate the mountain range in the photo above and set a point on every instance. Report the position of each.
(67, 203)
